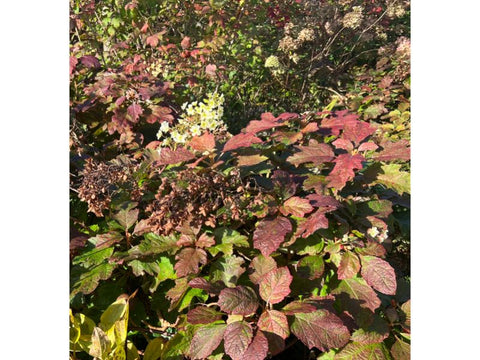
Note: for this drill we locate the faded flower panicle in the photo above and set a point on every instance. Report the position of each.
(395, 10)
(306, 35)
(198, 117)
(288, 44)
(272, 62)
(353, 19)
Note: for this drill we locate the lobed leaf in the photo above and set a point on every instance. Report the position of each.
(313, 153)
(343, 171)
(241, 140)
(188, 261)
(296, 206)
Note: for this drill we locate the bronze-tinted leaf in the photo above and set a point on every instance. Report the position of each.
(206, 339)
(274, 321)
(315, 221)
(375, 333)
(313, 153)
(203, 315)
(349, 266)
(168, 156)
(205, 142)
(237, 338)
(260, 266)
(298, 307)
(379, 274)
(357, 351)
(275, 285)
(134, 111)
(227, 269)
(398, 150)
(400, 350)
(321, 329)
(269, 234)
(296, 206)
(188, 261)
(175, 294)
(240, 300)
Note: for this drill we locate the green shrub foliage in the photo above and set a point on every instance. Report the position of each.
(199, 234)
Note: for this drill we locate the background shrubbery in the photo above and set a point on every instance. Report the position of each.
(240, 179)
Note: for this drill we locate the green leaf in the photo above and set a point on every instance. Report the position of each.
(227, 269)
(356, 351)
(139, 268)
(375, 333)
(310, 267)
(186, 301)
(227, 239)
(395, 179)
(132, 351)
(87, 281)
(127, 216)
(101, 345)
(206, 339)
(93, 257)
(154, 349)
(311, 245)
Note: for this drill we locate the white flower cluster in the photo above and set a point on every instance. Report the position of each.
(353, 19)
(376, 234)
(198, 117)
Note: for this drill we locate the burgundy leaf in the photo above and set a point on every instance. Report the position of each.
(372, 248)
(394, 151)
(349, 266)
(337, 122)
(274, 321)
(168, 156)
(240, 300)
(203, 315)
(241, 140)
(269, 234)
(188, 260)
(379, 274)
(201, 283)
(275, 285)
(205, 142)
(206, 339)
(237, 338)
(323, 201)
(285, 116)
(258, 349)
(90, 61)
(275, 343)
(315, 153)
(345, 164)
(320, 329)
(296, 206)
(134, 111)
(261, 265)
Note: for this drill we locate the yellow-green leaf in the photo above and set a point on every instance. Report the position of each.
(154, 349)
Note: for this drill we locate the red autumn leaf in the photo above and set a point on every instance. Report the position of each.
(268, 116)
(316, 221)
(211, 69)
(73, 63)
(349, 266)
(368, 146)
(379, 274)
(398, 150)
(261, 265)
(176, 293)
(188, 260)
(258, 348)
(203, 315)
(345, 164)
(275, 285)
(269, 234)
(298, 307)
(287, 137)
(343, 144)
(205, 142)
(285, 116)
(356, 131)
(315, 153)
(241, 140)
(144, 28)
(275, 322)
(185, 44)
(321, 329)
(237, 338)
(337, 122)
(201, 283)
(206, 339)
(152, 40)
(134, 111)
(240, 300)
(311, 127)
(168, 156)
(323, 201)
(296, 206)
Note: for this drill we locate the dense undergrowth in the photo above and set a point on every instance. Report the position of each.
(240, 179)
